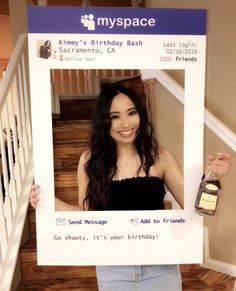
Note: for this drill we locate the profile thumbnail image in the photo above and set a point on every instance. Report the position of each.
(45, 49)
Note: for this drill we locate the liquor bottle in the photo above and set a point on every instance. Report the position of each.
(208, 195)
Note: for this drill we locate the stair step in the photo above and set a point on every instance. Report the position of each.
(71, 131)
(66, 186)
(53, 277)
(77, 109)
(32, 220)
(135, 84)
(65, 179)
(66, 156)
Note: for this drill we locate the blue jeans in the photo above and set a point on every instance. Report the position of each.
(139, 278)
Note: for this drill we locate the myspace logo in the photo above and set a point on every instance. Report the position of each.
(90, 22)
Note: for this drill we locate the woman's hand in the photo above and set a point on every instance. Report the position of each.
(218, 163)
(34, 192)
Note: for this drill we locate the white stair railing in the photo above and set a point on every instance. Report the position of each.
(16, 169)
(210, 120)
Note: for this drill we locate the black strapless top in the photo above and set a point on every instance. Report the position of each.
(138, 193)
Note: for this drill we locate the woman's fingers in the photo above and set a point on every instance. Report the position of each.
(219, 163)
(34, 202)
(34, 192)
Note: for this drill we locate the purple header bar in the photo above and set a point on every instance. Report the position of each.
(114, 20)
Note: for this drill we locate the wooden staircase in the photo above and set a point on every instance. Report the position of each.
(70, 139)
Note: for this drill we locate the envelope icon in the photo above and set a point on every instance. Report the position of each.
(60, 221)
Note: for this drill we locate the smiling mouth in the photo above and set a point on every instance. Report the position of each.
(126, 133)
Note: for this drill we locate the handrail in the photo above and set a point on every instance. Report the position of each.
(222, 131)
(11, 67)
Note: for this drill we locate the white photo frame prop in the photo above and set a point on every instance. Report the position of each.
(117, 38)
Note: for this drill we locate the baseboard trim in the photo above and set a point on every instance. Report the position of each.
(219, 266)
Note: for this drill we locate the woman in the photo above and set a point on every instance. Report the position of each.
(45, 50)
(126, 169)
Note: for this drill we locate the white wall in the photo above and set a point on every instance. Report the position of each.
(18, 18)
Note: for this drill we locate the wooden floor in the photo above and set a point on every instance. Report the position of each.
(83, 279)
(195, 278)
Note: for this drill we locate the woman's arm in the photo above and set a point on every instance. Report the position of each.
(82, 179)
(172, 175)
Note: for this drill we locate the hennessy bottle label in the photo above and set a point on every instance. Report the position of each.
(208, 201)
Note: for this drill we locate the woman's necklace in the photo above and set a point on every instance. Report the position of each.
(128, 161)
(127, 167)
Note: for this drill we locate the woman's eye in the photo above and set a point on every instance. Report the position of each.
(133, 112)
(114, 116)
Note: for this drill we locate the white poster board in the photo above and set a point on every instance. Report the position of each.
(117, 38)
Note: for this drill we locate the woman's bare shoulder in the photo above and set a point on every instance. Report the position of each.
(165, 158)
(164, 155)
(168, 161)
(85, 156)
(161, 162)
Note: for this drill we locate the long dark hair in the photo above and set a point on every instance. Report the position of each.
(102, 164)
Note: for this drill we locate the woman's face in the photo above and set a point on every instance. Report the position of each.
(124, 119)
(47, 44)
